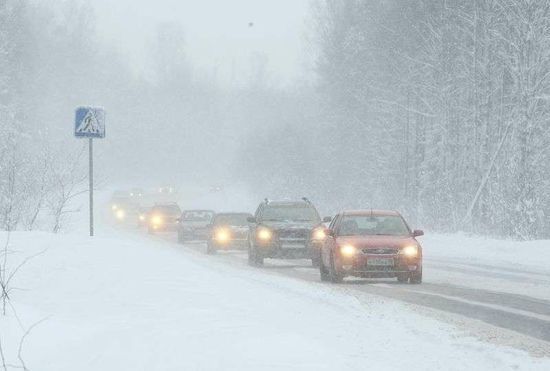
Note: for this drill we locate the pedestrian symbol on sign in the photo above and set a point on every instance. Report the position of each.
(90, 122)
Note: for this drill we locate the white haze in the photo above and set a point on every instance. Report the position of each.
(427, 107)
(218, 34)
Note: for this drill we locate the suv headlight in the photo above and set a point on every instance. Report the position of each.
(319, 234)
(264, 234)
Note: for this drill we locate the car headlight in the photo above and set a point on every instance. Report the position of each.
(120, 214)
(319, 234)
(264, 234)
(222, 235)
(114, 207)
(410, 251)
(142, 217)
(156, 219)
(348, 250)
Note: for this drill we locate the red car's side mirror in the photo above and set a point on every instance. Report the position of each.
(418, 233)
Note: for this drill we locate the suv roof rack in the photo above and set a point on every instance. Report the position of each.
(165, 203)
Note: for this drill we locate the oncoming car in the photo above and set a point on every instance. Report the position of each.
(123, 207)
(286, 230)
(163, 217)
(371, 243)
(194, 225)
(143, 215)
(228, 231)
(136, 193)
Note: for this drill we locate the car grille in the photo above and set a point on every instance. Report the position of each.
(380, 251)
(241, 235)
(378, 268)
(293, 234)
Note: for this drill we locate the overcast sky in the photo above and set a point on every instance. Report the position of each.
(217, 31)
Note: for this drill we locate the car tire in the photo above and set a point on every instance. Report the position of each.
(335, 277)
(254, 259)
(403, 277)
(416, 278)
(325, 275)
(210, 249)
(316, 260)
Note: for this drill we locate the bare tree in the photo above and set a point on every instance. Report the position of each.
(68, 182)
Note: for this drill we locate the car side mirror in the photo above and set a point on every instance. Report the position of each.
(251, 219)
(329, 232)
(418, 233)
(327, 219)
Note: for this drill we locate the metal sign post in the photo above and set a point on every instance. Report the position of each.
(91, 180)
(90, 123)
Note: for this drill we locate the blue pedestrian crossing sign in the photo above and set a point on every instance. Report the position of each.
(89, 122)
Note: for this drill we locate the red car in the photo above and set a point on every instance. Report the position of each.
(371, 243)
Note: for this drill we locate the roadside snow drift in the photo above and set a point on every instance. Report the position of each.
(132, 302)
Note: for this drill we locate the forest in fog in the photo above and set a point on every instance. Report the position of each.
(436, 108)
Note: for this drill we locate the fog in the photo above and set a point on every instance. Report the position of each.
(218, 36)
(430, 108)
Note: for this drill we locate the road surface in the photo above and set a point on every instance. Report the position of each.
(522, 314)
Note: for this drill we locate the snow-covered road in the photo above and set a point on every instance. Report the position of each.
(466, 292)
(134, 302)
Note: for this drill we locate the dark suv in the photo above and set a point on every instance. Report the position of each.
(286, 230)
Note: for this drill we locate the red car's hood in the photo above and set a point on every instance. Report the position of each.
(362, 242)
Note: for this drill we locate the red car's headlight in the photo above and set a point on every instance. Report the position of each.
(348, 250)
(409, 251)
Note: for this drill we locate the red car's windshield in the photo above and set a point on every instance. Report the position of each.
(367, 225)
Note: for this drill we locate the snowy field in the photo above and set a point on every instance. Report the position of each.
(134, 302)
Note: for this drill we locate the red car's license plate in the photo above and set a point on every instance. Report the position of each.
(380, 261)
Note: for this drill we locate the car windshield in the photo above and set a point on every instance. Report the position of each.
(197, 216)
(168, 209)
(297, 213)
(237, 220)
(367, 225)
